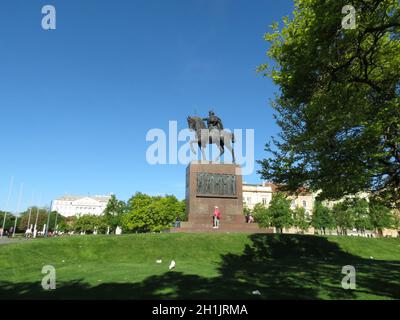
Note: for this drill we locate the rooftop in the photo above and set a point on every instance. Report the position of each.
(101, 198)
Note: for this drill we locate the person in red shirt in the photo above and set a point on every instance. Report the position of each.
(217, 217)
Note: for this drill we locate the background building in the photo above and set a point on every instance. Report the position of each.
(262, 193)
(257, 193)
(80, 205)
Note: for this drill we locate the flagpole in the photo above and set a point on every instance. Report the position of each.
(37, 215)
(10, 186)
(55, 222)
(30, 211)
(29, 218)
(48, 220)
(15, 226)
(21, 189)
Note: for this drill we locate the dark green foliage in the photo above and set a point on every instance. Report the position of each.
(9, 222)
(42, 218)
(343, 216)
(322, 218)
(89, 223)
(262, 215)
(381, 217)
(114, 212)
(338, 105)
(279, 211)
(152, 214)
(300, 219)
(359, 209)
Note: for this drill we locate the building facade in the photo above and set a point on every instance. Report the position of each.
(262, 193)
(70, 205)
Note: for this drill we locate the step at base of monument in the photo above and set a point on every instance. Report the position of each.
(235, 228)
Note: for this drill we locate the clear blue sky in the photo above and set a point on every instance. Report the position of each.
(76, 102)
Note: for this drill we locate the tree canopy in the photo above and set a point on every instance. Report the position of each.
(280, 213)
(154, 214)
(90, 223)
(338, 106)
(9, 221)
(42, 218)
(322, 218)
(261, 215)
(300, 219)
(114, 212)
(382, 217)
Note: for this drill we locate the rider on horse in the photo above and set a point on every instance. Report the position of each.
(214, 134)
(213, 122)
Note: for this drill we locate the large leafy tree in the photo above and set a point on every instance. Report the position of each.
(9, 221)
(152, 214)
(381, 217)
(114, 212)
(279, 211)
(396, 220)
(322, 218)
(90, 223)
(344, 217)
(338, 105)
(359, 209)
(300, 219)
(262, 215)
(42, 215)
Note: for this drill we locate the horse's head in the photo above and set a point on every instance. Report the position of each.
(191, 123)
(195, 123)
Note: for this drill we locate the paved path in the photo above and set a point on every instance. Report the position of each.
(5, 240)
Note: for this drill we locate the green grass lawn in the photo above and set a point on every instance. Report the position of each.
(208, 266)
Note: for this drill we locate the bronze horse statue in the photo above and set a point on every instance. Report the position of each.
(203, 136)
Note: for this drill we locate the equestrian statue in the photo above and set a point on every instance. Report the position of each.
(214, 133)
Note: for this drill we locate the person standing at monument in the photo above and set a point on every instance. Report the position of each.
(217, 217)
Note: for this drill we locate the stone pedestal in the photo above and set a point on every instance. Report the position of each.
(214, 184)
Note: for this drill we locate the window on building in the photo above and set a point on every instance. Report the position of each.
(304, 204)
(293, 203)
(264, 201)
(249, 200)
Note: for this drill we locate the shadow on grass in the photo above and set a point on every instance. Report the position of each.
(279, 266)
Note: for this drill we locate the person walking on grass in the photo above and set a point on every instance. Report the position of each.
(216, 217)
